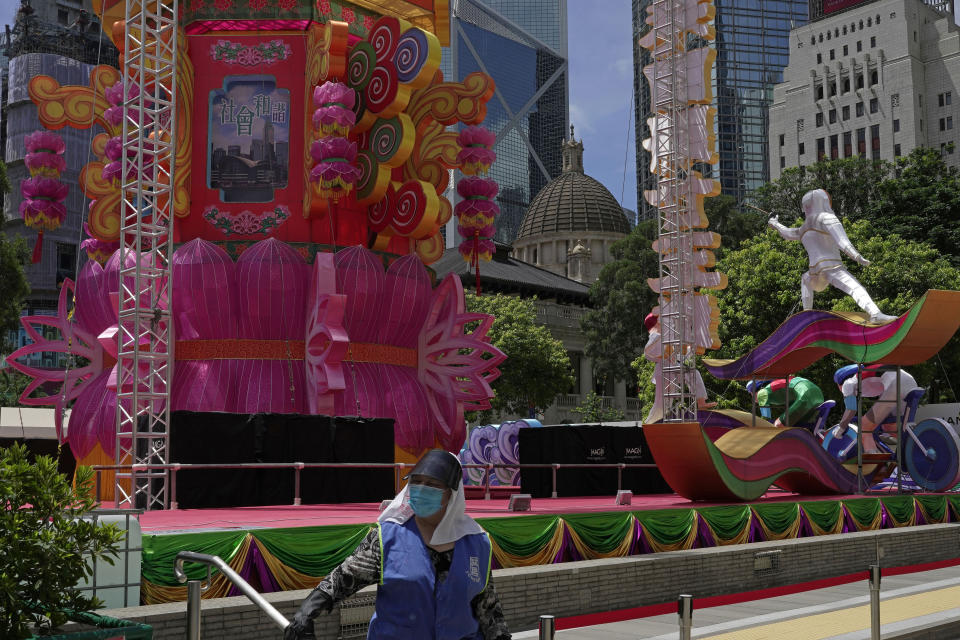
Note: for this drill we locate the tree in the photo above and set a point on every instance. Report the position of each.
(13, 283)
(592, 409)
(48, 546)
(920, 201)
(12, 385)
(764, 289)
(854, 184)
(537, 368)
(621, 297)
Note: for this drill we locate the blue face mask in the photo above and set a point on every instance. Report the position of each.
(424, 500)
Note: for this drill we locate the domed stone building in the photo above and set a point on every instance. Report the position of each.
(572, 222)
(563, 242)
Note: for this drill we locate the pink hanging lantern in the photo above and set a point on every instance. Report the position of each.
(44, 154)
(476, 154)
(335, 170)
(477, 211)
(97, 250)
(478, 208)
(43, 194)
(335, 102)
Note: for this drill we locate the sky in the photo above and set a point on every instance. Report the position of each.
(601, 92)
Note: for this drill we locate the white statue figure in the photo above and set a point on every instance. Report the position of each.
(653, 351)
(823, 237)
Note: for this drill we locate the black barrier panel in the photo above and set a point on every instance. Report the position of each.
(219, 438)
(358, 440)
(66, 464)
(587, 445)
(238, 438)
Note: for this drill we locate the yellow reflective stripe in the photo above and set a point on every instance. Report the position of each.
(380, 538)
(489, 559)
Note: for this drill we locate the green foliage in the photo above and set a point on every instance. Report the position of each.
(13, 282)
(921, 202)
(764, 289)
(621, 297)
(12, 384)
(593, 410)
(646, 390)
(47, 546)
(4, 185)
(917, 197)
(854, 185)
(537, 368)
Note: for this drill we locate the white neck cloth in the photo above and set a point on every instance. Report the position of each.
(454, 525)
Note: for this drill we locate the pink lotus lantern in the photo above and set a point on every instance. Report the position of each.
(97, 250)
(44, 154)
(114, 95)
(476, 156)
(334, 153)
(42, 207)
(334, 115)
(476, 214)
(478, 208)
(335, 170)
(477, 211)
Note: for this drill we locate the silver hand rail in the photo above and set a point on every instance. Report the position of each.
(398, 468)
(195, 587)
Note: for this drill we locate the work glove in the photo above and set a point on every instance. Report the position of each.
(299, 629)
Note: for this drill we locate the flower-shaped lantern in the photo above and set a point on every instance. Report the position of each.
(477, 211)
(43, 194)
(335, 170)
(97, 250)
(335, 104)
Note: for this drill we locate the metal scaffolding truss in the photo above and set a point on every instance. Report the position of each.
(145, 354)
(670, 103)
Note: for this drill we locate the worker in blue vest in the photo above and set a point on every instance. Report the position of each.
(430, 560)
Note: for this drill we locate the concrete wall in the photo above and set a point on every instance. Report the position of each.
(592, 586)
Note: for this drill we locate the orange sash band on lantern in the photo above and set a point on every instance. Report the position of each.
(381, 353)
(289, 350)
(239, 350)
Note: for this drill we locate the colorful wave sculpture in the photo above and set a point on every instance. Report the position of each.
(286, 559)
(494, 444)
(807, 336)
(743, 463)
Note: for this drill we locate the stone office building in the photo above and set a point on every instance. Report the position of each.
(876, 80)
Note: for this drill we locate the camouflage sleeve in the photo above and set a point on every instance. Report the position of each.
(487, 611)
(360, 569)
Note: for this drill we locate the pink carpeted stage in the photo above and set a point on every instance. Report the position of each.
(194, 520)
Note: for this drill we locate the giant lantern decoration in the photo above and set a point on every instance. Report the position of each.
(42, 207)
(314, 142)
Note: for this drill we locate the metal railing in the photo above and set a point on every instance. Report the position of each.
(196, 587)
(397, 467)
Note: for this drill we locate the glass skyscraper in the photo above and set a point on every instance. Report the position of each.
(522, 45)
(753, 48)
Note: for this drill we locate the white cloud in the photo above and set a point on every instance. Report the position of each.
(624, 67)
(580, 119)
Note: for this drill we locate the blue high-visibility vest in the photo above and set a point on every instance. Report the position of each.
(410, 603)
